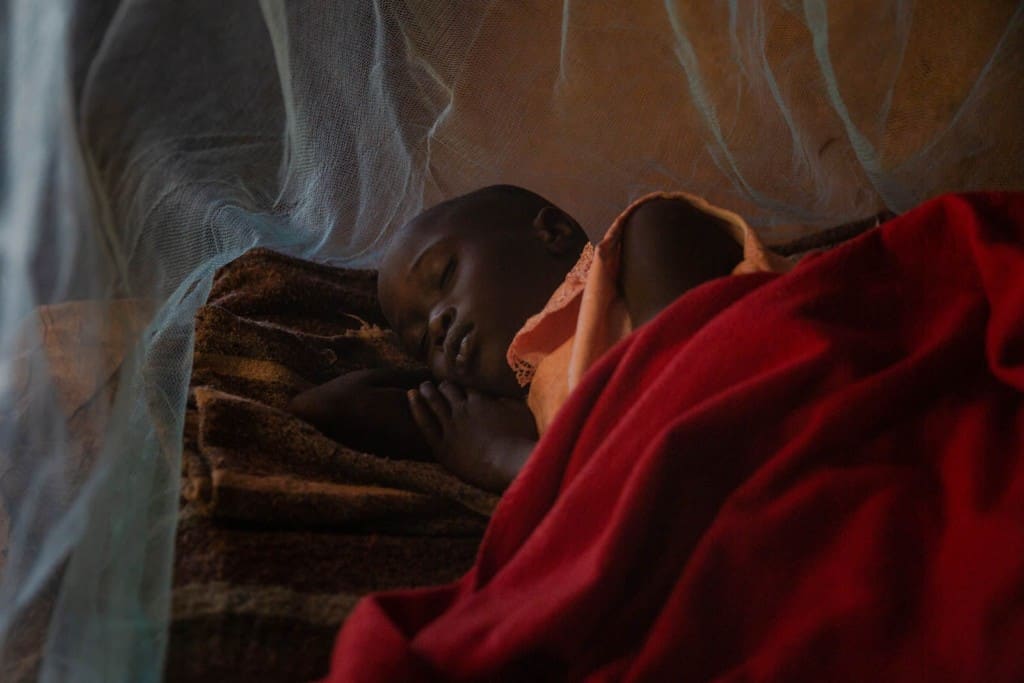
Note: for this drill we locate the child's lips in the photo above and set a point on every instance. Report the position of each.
(455, 345)
(465, 350)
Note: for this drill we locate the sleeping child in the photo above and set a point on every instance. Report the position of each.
(500, 294)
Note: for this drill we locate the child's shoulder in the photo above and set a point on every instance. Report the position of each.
(668, 246)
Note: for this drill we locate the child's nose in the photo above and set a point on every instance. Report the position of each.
(440, 322)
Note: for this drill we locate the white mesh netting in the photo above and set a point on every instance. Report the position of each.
(145, 143)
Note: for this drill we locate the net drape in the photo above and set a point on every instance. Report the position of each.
(144, 143)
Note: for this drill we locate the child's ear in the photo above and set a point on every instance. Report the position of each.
(559, 232)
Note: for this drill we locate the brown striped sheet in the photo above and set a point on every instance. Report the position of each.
(282, 529)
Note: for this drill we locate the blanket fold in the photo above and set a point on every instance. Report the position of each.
(816, 476)
(282, 529)
(273, 326)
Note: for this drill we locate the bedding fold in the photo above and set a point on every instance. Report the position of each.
(281, 528)
(807, 477)
(273, 326)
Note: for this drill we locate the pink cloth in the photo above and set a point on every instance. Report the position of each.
(586, 315)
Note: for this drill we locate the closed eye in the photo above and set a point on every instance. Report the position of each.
(447, 273)
(423, 343)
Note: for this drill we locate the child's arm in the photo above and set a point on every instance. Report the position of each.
(482, 439)
(367, 410)
(669, 247)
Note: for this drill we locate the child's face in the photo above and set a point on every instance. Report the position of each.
(456, 292)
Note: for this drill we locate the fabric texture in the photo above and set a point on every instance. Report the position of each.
(273, 326)
(816, 476)
(80, 346)
(586, 316)
(256, 602)
(282, 529)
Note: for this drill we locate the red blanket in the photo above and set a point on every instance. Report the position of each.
(813, 477)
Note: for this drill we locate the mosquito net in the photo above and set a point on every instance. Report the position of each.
(145, 143)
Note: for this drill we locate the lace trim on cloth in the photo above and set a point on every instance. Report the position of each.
(523, 370)
(522, 356)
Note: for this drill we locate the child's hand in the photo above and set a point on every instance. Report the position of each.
(483, 439)
(367, 410)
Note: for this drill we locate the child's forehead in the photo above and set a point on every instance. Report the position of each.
(454, 229)
(463, 224)
(413, 240)
(408, 250)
